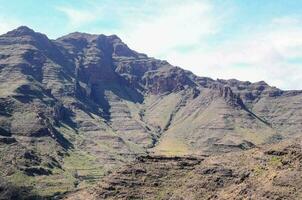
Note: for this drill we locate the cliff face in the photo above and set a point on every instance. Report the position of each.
(83, 104)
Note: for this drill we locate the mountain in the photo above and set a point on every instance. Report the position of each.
(76, 108)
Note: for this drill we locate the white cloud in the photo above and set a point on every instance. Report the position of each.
(172, 25)
(260, 55)
(78, 17)
(7, 24)
(286, 20)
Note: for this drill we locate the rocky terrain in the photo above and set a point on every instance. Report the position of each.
(76, 108)
(265, 172)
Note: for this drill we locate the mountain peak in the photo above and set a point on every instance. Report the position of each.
(21, 30)
(261, 83)
(24, 33)
(87, 36)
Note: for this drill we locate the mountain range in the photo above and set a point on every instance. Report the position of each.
(75, 109)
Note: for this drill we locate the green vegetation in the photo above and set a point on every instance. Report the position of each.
(83, 168)
(275, 161)
(259, 170)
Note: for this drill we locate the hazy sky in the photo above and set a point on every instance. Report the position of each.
(243, 39)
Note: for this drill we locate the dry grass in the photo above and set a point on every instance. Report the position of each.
(171, 147)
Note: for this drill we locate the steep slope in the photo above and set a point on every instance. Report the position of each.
(49, 125)
(74, 108)
(281, 109)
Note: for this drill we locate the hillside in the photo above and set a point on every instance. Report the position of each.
(78, 107)
(266, 172)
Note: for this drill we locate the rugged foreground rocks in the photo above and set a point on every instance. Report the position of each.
(266, 172)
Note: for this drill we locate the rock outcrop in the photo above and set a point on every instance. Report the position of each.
(268, 172)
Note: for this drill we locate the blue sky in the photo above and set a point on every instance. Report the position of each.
(243, 39)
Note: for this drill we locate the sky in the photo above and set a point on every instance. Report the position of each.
(249, 40)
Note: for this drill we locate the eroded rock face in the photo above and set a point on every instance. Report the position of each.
(167, 81)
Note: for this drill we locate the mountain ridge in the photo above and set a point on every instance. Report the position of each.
(74, 108)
